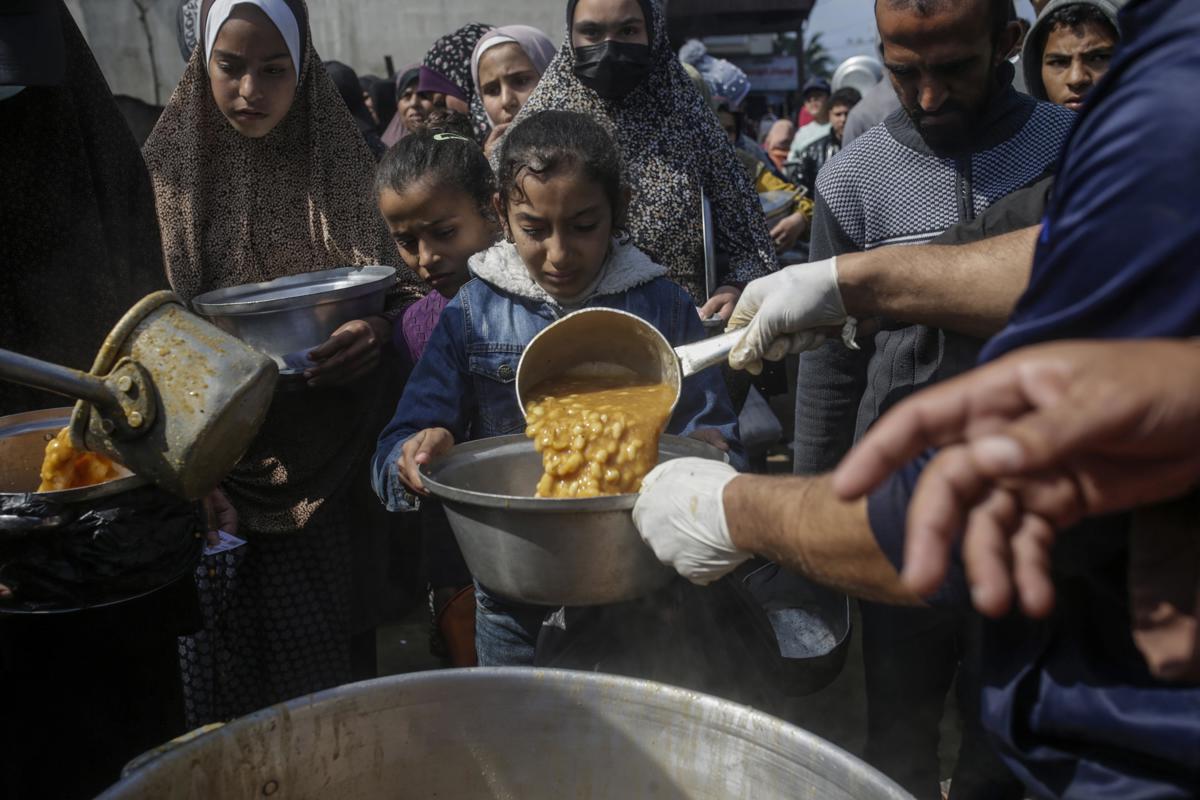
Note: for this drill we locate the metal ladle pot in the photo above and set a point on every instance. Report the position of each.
(171, 397)
(604, 341)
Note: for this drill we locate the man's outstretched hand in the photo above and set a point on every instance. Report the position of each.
(1030, 445)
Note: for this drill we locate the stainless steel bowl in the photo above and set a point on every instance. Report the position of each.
(776, 205)
(546, 551)
(287, 317)
(23, 439)
(484, 734)
(857, 72)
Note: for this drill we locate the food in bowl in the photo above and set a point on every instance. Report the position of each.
(598, 435)
(64, 467)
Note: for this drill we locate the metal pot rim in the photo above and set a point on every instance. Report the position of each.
(234, 301)
(537, 505)
(54, 419)
(721, 716)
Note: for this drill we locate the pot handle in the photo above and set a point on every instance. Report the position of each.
(17, 368)
(706, 353)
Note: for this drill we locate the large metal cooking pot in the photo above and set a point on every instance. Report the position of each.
(90, 673)
(548, 551)
(171, 397)
(23, 440)
(506, 733)
(287, 317)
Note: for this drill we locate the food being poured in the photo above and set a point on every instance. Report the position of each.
(64, 467)
(597, 435)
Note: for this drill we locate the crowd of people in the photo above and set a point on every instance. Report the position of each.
(991, 195)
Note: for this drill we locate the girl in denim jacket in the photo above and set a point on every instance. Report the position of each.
(560, 201)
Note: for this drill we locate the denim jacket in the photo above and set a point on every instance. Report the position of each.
(465, 381)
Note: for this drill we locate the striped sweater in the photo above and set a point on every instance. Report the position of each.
(888, 187)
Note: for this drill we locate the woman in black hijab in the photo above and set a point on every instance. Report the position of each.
(382, 94)
(79, 240)
(346, 81)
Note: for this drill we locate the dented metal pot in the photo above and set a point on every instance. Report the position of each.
(506, 733)
(171, 397)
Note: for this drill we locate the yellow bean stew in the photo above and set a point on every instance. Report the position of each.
(64, 467)
(597, 435)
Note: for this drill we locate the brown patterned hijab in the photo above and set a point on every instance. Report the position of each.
(236, 210)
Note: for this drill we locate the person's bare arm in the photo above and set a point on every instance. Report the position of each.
(966, 288)
(969, 288)
(799, 522)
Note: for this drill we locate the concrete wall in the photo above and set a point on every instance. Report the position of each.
(357, 32)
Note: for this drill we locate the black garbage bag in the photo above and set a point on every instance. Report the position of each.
(73, 555)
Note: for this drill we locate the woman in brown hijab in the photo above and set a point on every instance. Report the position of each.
(259, 172)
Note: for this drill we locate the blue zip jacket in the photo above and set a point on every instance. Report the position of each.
(1069, 701)
(465, 381)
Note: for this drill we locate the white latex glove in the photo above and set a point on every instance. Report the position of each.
(681, 515)
(783, 312)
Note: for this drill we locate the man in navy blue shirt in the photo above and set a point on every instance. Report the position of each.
(1068, 698)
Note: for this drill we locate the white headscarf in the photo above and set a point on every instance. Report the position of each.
(537, 47)
(276, 10)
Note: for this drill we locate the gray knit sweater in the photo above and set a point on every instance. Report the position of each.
(888, 187)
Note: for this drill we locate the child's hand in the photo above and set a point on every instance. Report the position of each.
(350, 353)
(788, 231)
(711, 436)
(421, 448)
(721, 304)
(493, 139)
(219, 515)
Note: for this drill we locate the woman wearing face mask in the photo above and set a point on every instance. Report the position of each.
(506, 66)
(618, 66)
(259, 173)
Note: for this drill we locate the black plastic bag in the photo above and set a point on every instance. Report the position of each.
(73, 555)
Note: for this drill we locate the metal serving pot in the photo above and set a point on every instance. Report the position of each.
(601, 341)
(171, 397)
(506, 733)
(776, 205)
(287, 317)
(548, 551)
(857, 72)
(23, 439)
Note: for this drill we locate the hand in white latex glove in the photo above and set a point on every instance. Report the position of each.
(785, 313)
(681, 515)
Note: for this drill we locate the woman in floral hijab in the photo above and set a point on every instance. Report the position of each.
(673, 147)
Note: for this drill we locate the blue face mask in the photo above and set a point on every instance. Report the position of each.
(9, 91)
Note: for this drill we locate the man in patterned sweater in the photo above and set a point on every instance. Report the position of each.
(962, 140)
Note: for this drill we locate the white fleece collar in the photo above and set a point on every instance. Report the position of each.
(502, 267)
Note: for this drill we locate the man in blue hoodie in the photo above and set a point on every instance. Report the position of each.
(1068, 699)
